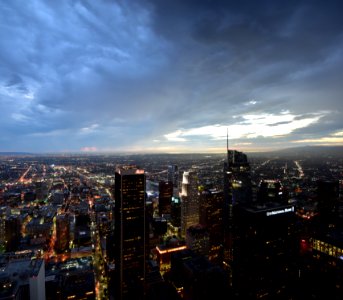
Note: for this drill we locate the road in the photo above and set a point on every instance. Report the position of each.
(99, 271)
(22, 177)
(300, 170)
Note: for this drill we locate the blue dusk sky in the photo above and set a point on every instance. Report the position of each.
(170, 76)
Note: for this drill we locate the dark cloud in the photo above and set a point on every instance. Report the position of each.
(122, 74)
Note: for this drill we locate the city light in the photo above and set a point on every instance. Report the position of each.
(219, 220)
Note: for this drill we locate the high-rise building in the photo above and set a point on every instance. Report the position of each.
(37, 280)
(159, 226)
(237, 191)
(228, 217)
(211, 217)
(12, 232)
(265, 251)
(239, 167)
(165, 198)
(198, 239)
(176, 212)
(173, 175)
(189, 201)
(130, 233)
(328, 196)
(62, 233)
(322, 255)
(22, 277)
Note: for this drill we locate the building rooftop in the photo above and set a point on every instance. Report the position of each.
(129, 170)
(16, 272)
(270, 208)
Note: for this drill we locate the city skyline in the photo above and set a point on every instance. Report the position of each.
(156, 76)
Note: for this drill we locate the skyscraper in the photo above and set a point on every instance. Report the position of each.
(12, 232)
(198, 239)
(165, 197)
(265, 251)
(37, 279)
(211, 216)
(239, 167)
(176, 212)
(62, 233)
(328, 196)
(189, 201)
(237, 190)
(130, 233)
(173, 175)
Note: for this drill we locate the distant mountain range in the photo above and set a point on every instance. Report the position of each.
(15, 153)
(306, 151)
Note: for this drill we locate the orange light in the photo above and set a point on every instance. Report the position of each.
(170, 250)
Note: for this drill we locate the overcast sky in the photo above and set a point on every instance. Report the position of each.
(170, 76)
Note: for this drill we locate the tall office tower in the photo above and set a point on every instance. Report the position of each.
(321, 247)
(165, 198)
(189, 201)
(22, 277)
(62, 233)
(228, 214)
(173, 175)
(322, 255)
(211, 216)
(266, 248)
(241, 180)
(12, 232)
(130, 233)
(237, 191)
(328, 196)
(176, 212)
(198, 239)
(37, 280)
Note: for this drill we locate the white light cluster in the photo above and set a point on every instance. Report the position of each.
(280, 211)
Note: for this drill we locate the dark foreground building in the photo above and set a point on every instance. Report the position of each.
(129, 233)
(265, 252)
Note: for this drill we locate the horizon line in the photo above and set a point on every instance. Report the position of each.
(128, 152)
